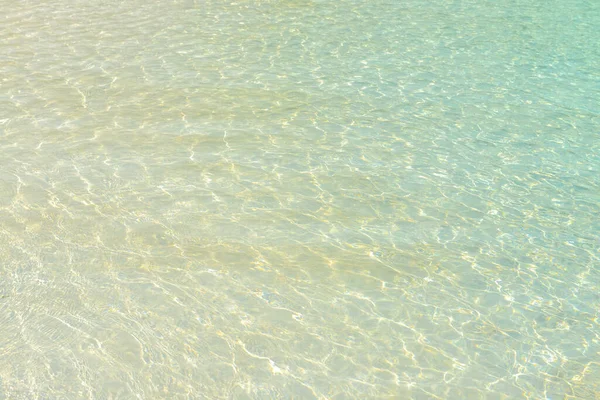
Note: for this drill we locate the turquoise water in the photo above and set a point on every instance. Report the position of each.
(299, 199)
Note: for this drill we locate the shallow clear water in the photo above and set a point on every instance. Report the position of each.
(299, 199)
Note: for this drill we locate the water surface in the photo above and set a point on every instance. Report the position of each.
(299, 199)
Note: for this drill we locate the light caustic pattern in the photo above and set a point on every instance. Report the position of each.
(299, 199)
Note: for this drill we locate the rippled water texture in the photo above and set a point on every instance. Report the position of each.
(299, 199)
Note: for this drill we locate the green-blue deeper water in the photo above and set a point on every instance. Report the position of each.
(298, 199)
